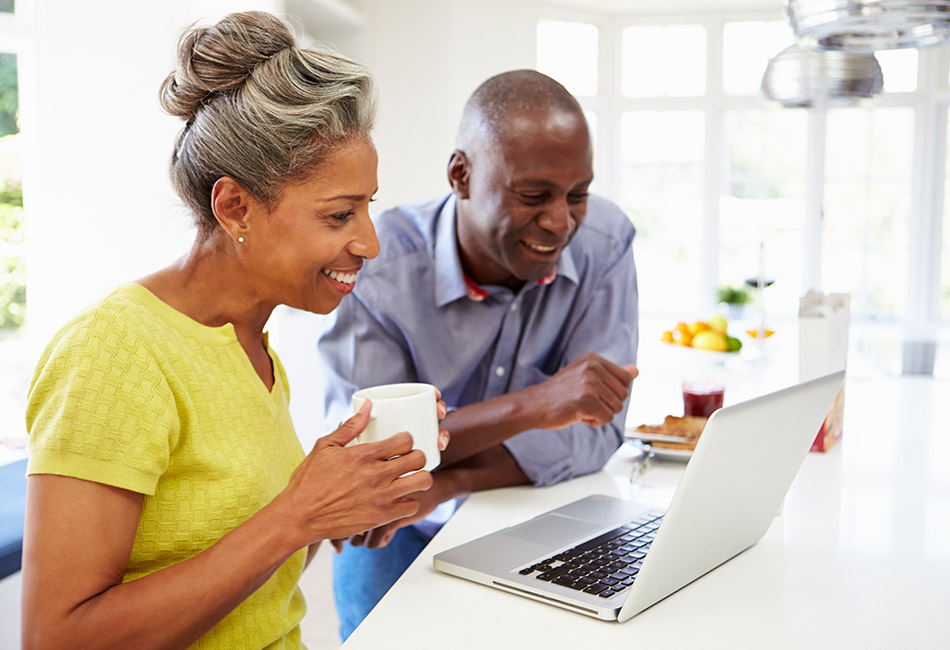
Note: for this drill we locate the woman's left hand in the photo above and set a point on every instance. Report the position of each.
(442, 410)
(427, 502)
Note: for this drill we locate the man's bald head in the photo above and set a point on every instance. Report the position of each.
(485, 118)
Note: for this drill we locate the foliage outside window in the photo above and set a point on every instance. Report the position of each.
(12, 267)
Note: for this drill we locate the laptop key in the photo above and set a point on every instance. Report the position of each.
(548, 576)
(610, 582)
(600, 539)
(606, 593)
(525, 572)
(595, 589)
(578, 585)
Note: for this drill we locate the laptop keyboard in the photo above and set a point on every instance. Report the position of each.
(605, 565)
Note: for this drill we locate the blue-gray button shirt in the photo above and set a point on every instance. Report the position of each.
(410, 319)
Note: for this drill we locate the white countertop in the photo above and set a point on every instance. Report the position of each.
(859, 558)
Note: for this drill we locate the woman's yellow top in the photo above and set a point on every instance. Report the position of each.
(134, 394)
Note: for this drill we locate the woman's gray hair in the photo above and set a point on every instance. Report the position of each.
(258, 108)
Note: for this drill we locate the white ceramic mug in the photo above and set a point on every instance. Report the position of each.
(403, 407)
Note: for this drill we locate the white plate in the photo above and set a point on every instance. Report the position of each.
(663, 453)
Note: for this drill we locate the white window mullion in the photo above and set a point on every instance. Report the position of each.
(930, 134)
(610, 91)
(814, 198)
(714, 155)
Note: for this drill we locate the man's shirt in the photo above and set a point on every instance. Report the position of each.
(410, 318)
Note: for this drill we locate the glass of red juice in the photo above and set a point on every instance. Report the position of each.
(702, 396)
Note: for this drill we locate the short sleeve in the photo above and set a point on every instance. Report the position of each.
(100, 408)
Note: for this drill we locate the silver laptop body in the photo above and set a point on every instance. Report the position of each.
(736, 479)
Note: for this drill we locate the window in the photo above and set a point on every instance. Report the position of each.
(574, 66)
(867, 203)
(12, 262)
(715, 178)
(681, 48)
(761, 207)
(661, 192)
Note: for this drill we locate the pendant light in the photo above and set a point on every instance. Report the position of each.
(798, 78)
(868, 25)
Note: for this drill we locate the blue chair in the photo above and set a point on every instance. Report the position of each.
(12, 512)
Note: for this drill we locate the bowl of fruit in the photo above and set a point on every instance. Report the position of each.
(711, 334)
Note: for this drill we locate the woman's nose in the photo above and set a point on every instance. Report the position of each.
(365, 244)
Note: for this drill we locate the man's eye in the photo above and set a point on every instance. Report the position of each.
(578, 196)
(532, 198)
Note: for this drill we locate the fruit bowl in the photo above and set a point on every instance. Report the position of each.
(710, 335)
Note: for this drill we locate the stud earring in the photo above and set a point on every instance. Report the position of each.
(241, 240)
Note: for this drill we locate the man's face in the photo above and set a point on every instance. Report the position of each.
(527, 196)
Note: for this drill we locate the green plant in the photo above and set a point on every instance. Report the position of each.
(733, 295)
(12, 294)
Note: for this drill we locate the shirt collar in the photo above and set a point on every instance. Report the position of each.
(451, 281)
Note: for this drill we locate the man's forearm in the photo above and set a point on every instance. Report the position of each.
(484, 425)
(491, 468)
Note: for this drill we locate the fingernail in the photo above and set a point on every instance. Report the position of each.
(367, 404)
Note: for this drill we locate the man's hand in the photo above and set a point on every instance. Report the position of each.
(590, 390)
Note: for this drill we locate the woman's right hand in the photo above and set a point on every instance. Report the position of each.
(338, 491)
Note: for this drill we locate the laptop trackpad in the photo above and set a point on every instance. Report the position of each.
(553, 530)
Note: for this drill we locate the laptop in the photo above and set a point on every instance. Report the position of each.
(611, 559)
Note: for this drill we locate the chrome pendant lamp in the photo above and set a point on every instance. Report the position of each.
(798, 78)
(868, 25)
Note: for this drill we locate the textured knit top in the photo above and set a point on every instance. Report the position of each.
(134, 394)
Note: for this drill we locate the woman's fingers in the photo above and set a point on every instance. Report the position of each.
(395, 445)
(410, 462)
(444, 438)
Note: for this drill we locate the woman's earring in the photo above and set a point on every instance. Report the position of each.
(241, 240)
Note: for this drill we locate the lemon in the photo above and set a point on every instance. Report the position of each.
(755, 333)
(734, 344)
(711, 340)
(717, 323)
(667, 336)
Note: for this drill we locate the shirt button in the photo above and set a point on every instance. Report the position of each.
(514, 306)
(499, 371)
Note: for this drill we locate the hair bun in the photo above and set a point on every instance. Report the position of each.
(220, 57)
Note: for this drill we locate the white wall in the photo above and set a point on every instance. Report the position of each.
(100, 207)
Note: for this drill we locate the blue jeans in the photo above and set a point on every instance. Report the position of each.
(361, 577)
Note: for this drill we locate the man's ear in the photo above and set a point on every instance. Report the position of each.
(230, 203)
(459, 173)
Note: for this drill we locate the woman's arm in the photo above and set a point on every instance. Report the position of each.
(79, 536)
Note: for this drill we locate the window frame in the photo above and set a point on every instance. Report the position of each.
(930, 102)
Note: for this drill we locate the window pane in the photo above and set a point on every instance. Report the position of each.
(661, 191)
(7, 6)
(681, 48)
(12, 267)
(746, 50)
(762, 205)
(867, 201)
(568, 52)
(899, 68)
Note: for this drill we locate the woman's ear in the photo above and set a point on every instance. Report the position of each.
(230, 203)
(459, 173)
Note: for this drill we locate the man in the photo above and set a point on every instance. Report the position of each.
(516, 295)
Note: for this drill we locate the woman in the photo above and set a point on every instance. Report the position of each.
(169, 501)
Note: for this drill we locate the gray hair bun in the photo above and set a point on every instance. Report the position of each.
(219, 58)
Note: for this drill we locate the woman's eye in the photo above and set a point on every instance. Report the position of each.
(342, 216)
